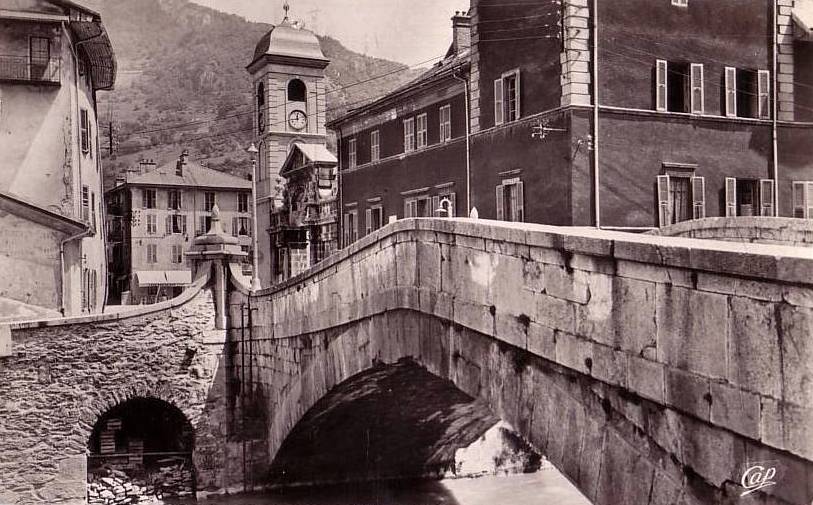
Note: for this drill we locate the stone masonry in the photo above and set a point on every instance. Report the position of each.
(648, 369)
(63, 375)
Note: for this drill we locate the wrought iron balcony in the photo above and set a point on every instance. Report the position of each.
(25, 69)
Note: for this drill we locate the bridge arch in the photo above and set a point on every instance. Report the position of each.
(557, 412)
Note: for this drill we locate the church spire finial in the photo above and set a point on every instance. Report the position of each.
(286, 7)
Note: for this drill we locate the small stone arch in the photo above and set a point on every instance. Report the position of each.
(108, 400)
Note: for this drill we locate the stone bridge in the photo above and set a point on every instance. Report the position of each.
(649, 370)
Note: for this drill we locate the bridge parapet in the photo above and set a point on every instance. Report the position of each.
(720, 331)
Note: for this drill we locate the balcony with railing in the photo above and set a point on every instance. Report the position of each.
(29, 70)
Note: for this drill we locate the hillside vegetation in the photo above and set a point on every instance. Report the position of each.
(182, 63)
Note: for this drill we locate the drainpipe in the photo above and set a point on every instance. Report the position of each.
(468, 144)
(774, 114)
(340, 208)
(78, 236)
(596, 180)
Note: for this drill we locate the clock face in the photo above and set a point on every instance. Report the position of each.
(298, 120)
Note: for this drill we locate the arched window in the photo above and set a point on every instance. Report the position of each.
(261, 107)
(297, 91)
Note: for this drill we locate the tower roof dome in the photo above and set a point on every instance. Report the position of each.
(286, 42)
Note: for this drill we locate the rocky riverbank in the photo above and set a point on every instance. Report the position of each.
(114, 487)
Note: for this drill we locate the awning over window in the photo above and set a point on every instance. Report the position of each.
(803, 18)
(147, 278)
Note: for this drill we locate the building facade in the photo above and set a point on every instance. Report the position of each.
(288, 78)
(154, 213)
(404, 155)
(54, 56)
(585, 117)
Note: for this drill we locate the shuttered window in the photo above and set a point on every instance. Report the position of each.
(375, 146)
(510, 200)
(409, 135)
(664, 201)
(698, 197)
(803, 199)
(730, 91)
(351, 153)
(730, 196)
(422, 135)
(445, 123)
(697, 91)
(764, 94)
(498, 102)
(84, 134)
(766, 197)
(660, 85)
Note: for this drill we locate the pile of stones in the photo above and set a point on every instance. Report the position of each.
(113, 487)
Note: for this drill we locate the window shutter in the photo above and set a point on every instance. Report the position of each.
(664, 201)
(355, 226)
(519, 210)
(453, 209)
(180, 200)
(368, 221)
(764, 94)
(517, 95)
(143, 198)
(235, 226)
(345, 229)
(168, 224)
(660, 85)
(436, 206)
(699, 197)
(183, 224)
(500, 204)
(406, 208)
(730, 91)
(730, 196)
(499, 109)
(809, 200)
(766, 207)
(698, 94)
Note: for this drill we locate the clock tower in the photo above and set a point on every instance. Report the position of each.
(288, 78)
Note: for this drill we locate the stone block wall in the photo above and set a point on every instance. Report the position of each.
(762, 230)
(698, 350)
(62, 376)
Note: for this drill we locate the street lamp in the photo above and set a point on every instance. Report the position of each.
(255, 270)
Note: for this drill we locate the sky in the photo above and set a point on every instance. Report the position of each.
(408, 31)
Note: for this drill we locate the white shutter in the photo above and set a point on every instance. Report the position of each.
(730, 91)
(235, 226)
(517, 95)
(519, 209)
(660, 85)
(798, 199)
(698, 93)
(499, 108)
(809, 200)
(766, 207)
(764, 94)
(183, 225)
(698, 197)
(143, 198)
(169, 225)
(500, 204)
(368, 218)
(664, 201)
(730, 196)
(453, 207)
(435, 207)
(406, 209)
(346, 230)
(355, 226)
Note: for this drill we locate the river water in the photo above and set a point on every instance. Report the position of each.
(546, 487)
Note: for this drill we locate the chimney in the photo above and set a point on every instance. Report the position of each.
(461, 30)
(121, 179)
(181, 163)
(145, 165)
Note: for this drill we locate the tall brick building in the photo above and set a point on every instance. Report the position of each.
(703, 110)
(54, 56)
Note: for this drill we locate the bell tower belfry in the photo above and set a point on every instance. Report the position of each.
(288, 79)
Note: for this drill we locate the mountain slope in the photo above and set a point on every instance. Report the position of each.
(182, 63)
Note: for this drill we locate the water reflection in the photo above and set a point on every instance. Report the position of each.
(547, 487)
